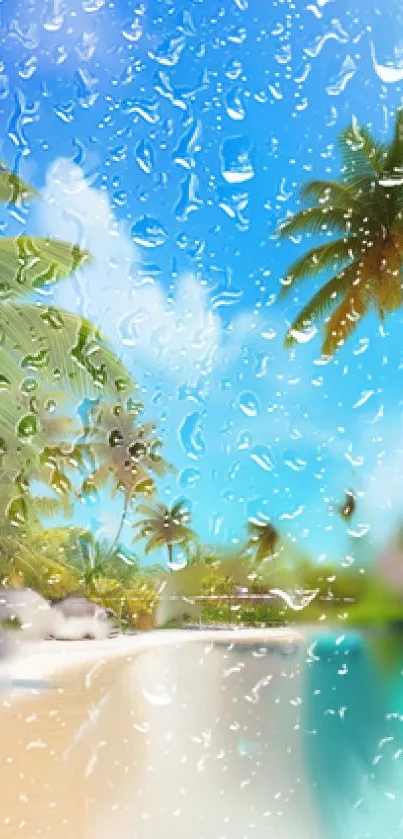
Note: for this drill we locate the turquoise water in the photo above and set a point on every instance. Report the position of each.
(354, 736)
(219, 741)
(246, 742)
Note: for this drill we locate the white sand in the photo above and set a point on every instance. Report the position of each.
(43, 660)
(92, 756)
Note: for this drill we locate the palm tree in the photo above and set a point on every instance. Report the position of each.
(347, 509)
(124, 452)
(362, 213)
(45, 353)
(263, 539)
(164, 527)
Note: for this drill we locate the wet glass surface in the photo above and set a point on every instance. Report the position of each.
(201, 250)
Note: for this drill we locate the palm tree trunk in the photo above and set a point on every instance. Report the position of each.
(170, 550)
(120, 528)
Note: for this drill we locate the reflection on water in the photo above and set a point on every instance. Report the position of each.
(218, 729)
(212, 742)
(353, 728)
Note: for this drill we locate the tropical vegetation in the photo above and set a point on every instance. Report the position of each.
(71, 425)
(361, 217)
(164, 526)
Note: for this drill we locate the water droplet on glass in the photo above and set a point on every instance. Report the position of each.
(236, 162)
(233, 69)
(132, 30)
(248, 404)
(262, 456)
(191, 436)
(244, 441)
(27, 426)
(189, 200)
(189, 477)
(339, 84)
(144, 156)
(149, 232)
(234, 103)
(188, 145)
(169, 51)
(16, 512)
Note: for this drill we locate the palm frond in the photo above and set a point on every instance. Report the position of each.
(58, 349)
(330, 192)
(330, 255)
(314, 220)
(348, 314)
(178, 508)
(362, 155)
(324, 300)
(156, 541)
(12, 187)
(389, 290)
(30, 264)
(393, 165)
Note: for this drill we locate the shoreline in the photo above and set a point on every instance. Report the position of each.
(83, 722)
(42, 661)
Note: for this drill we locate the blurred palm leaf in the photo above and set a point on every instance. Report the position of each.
(12, 188)
(366, 208)
(164, 527)
(45, 353)
(263, 539)
(123, 452)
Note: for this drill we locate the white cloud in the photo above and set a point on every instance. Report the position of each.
(181, 335)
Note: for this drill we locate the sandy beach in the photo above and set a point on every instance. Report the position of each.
(75, 753)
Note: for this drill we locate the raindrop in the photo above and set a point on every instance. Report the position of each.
(244, 441)
(338, 85)
(92, 5)
(86, 86)
(262, 456)
(189, 201)
(249, 404)
(157, 698)
(27, 426)
(16, 512)
(37, 361)
(149, 232)
(189, 477)
(387, 73)
(147, 109)
(4, 382)
(187, 26)
(233, 69)
(144, 156)
(188, 145)
(169, 51)
(234, 103)
(234, 203)
(236, 163)
(4, 86)
(336, 33)
(132, 30)
(29, 385)
(191, 436)
(303, 336)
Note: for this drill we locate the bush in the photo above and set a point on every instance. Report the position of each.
(140, 603)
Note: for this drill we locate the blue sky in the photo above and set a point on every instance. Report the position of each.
(171, 138)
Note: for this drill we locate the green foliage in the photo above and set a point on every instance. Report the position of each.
(164, 527)
(48, 359)
(364, 211)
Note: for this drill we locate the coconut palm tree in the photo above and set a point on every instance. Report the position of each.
(164, 527)
(263, 539)
(123, 452)
(362, 217)
(45, 353)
